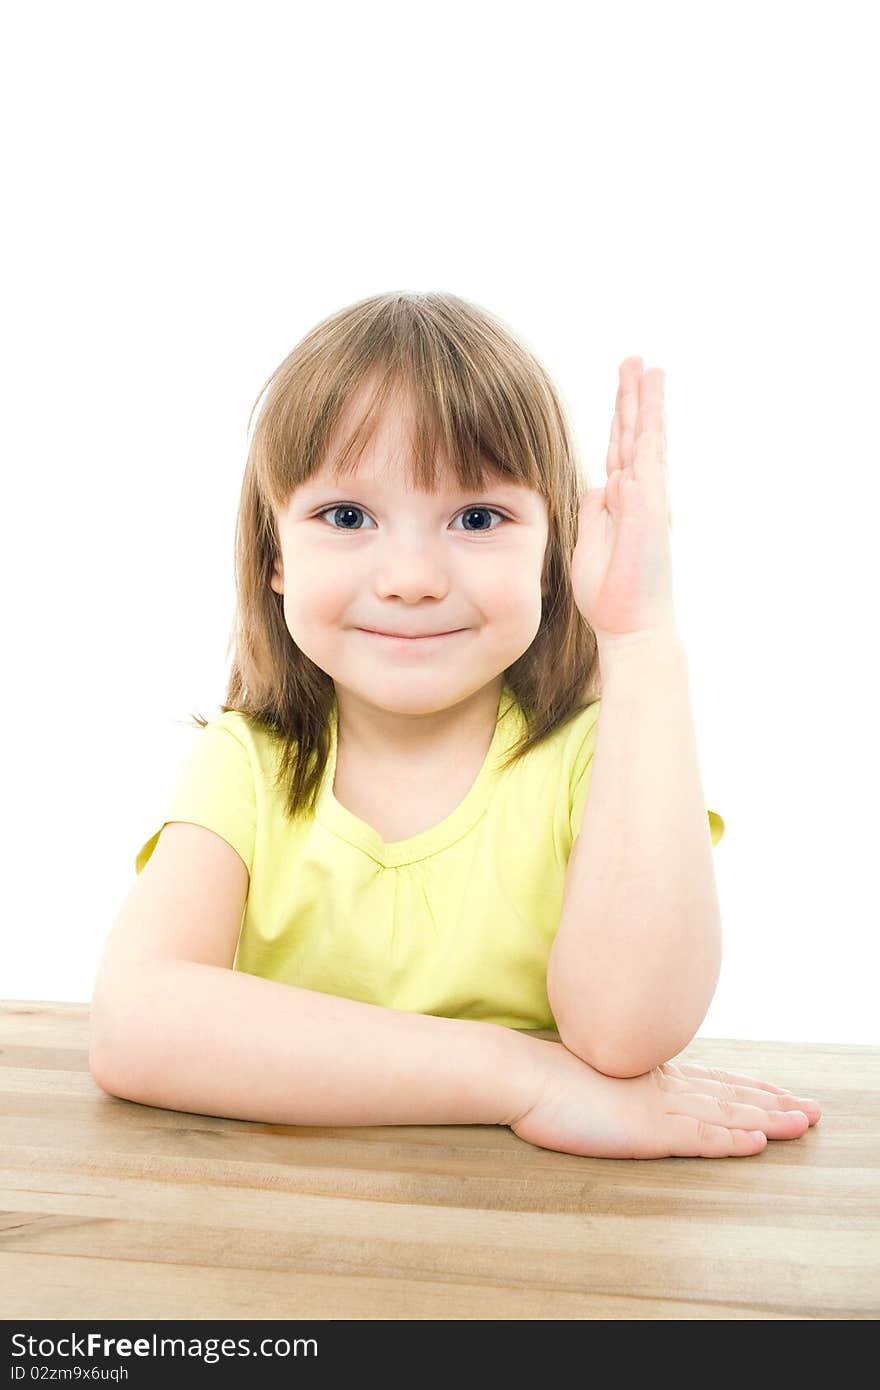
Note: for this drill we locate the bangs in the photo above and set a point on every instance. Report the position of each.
(449, 431)
(476, 406)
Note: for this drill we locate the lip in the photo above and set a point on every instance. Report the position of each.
(410, 641)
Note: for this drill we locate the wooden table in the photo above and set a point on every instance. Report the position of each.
(116, 1210)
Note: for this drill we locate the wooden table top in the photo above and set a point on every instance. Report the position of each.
(117, 1210)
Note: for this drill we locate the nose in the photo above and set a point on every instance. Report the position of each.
(411, 572)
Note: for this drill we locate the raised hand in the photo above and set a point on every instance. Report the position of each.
(673, 1111)
(621, 569)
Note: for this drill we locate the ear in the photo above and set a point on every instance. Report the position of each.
(277, 580)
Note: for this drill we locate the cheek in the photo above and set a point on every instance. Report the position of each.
(512, 591)
(323, 597)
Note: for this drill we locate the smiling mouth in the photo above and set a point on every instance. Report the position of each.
(403, 637)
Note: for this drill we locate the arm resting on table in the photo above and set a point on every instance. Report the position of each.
(213, 1041)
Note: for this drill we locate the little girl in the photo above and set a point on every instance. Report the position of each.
(369, 899)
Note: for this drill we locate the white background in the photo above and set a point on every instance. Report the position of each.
(191, 187)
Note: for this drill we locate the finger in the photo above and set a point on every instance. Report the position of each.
(613, 461)
(757, 1092)
(594, 503)
(649, 451)
(752, 1095)
(630, 376)
(716, 1074)
(692, 1138)
(735, 1114)
(612, 491)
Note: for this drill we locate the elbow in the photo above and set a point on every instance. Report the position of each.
(116, 1063)
(626, 1057)
(110, 1070)
(588, 1039)
(635, 1040)
(101, 1046)
(102, 1074)
(625, 1065)
(609, 1061)
(124, 1077)
(620, 1063)
(104, 1050)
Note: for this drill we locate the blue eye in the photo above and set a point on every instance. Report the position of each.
(349, 507)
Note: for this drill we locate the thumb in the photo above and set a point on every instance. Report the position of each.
(592, 504)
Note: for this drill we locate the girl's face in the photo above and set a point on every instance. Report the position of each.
(369, 553)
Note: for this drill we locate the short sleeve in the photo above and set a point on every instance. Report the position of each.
(580, 781)
(214, 788)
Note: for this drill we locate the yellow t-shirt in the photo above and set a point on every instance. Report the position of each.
(457, 920)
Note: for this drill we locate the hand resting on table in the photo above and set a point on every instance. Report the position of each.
(672, 1111)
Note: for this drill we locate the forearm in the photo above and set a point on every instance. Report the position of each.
(212, 1041)
(637, 956)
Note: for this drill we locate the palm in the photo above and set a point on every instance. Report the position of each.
(621, 569)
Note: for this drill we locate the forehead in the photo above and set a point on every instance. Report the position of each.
(383, 461)
(389, 477)
(375, 461)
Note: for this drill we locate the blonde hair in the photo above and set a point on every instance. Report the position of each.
(478, 393)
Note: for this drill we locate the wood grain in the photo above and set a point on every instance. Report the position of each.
(117, 1210)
